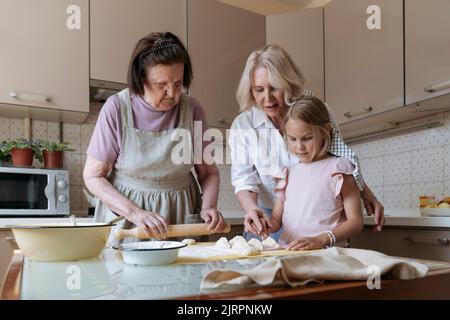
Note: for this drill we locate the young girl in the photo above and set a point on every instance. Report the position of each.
(318, 202)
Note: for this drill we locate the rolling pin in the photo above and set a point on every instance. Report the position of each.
(175, 230)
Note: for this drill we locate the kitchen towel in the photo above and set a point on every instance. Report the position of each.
(337, 264)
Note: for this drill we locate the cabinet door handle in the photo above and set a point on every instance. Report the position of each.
(443, 241)
(363, 110)
(29, 96)
(437, 87)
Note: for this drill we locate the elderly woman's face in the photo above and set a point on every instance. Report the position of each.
(269, 99)
(164, 85)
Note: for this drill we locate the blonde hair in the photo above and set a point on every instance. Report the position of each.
(313, 111)
(283, 74)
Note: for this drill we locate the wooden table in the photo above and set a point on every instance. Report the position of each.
(436, 285)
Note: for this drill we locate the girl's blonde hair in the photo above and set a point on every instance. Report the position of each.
(283, 74)
(313, 111)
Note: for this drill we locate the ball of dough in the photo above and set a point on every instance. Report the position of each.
(240, 244)
(236, 239)
(222, 243)
(189, 242)
(269, 243)
(255, 243)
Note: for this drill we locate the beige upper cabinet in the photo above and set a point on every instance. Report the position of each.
(117, 25)
(44, 58)
(427, 49)
(301, 34)
(363, 57)
(221, 37)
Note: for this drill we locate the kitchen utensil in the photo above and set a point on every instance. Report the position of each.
(150, 252)
(61, 241)
(175, 230)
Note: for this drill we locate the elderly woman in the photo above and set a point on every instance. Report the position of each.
(130, 165)
(268, 86)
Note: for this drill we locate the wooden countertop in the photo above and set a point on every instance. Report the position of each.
(434, 286)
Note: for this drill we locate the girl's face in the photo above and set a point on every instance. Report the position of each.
(164, 85)
(301, 141)
(269, 99)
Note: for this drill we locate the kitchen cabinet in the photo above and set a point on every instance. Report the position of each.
(427, 49)
(363, 57)
(221, 37)
(117, 25)
(301, 34)
(432, 244)
(44, 59)
(7, 247)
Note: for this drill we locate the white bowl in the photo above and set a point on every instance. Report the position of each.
(150, 253)
(435, 212)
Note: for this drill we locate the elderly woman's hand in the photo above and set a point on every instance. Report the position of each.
(214, 219)
(152, 223)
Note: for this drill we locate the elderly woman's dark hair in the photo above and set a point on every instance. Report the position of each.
(157, 48)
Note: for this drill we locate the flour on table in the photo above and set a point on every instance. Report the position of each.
(269, 243)
(189, 242)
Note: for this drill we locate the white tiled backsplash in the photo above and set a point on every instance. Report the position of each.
(398, 169)
(78, 136)
(401, 168)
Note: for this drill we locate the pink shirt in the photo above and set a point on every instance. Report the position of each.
(106, 140)
(313, 202)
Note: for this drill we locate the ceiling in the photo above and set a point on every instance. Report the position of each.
(269, 7)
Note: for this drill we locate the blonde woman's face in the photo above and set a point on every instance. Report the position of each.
(164, 85)
(301, 141)
(269, 99)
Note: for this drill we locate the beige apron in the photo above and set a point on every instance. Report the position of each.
(147, 175)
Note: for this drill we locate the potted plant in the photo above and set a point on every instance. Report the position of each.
(5, 155)
(52, 153)
(22, 151)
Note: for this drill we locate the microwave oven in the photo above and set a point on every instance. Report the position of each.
(33, 192)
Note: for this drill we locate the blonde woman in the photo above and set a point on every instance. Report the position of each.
(269, 85)
(318, 202)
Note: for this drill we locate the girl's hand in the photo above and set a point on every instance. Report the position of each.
(214, 219)
(257, 222)
(154, 225)
(309, 243)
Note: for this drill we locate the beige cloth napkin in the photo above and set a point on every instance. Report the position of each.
(338, 264)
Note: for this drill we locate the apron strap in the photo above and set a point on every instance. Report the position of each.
(186, 114)
(126, 109)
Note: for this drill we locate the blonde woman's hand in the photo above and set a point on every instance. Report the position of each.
(257, 222)
(373, 206)
(214, 219)
(308, 243)
(154, 225)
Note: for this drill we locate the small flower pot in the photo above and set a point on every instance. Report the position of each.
(53, 159)
(22, 157)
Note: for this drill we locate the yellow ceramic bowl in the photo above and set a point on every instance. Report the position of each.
(61, 241)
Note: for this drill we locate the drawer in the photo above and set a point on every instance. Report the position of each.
(410, 243)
